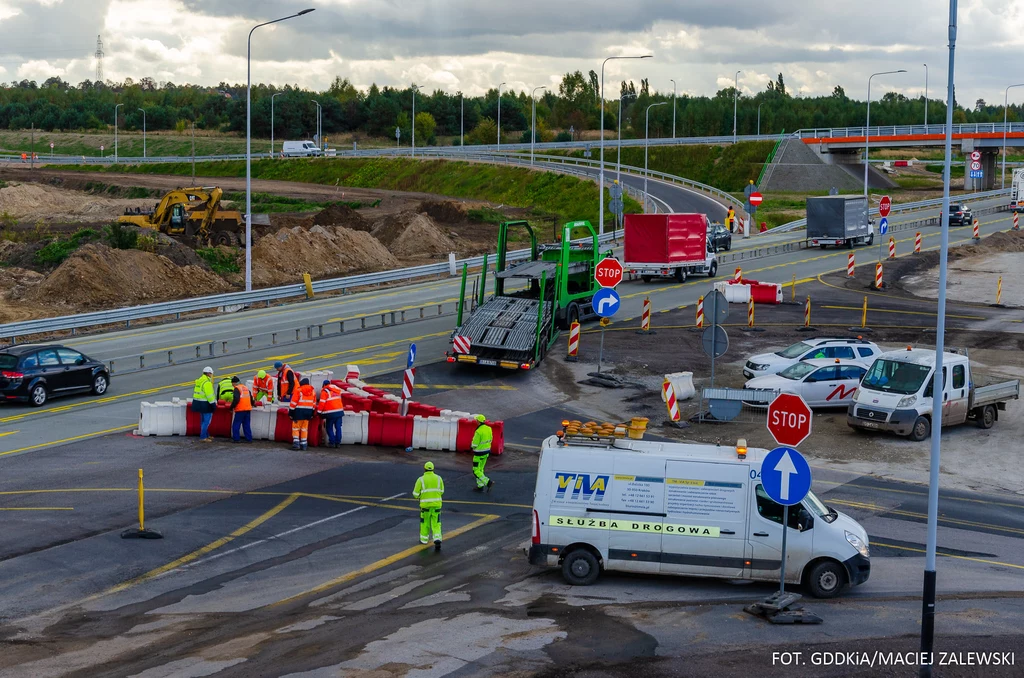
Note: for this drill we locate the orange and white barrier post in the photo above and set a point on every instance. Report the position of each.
(878, 276)
(917, 243)
(807, 313)
(850, 264)
(645, 317)
(750, 312)
(700, 313)
(670, 400)
(1016, 223)
(977, 235)
(892, 247)
(999, 290)
(738, 276)
(574, 342)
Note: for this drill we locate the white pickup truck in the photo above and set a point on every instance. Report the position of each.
(896, 394)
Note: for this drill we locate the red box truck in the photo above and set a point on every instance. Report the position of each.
(668, 245)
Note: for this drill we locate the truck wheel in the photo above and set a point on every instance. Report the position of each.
(987, 417)
(826, 579)
(572, 315)
(871, 239)
(823, 246)
(713, 270)
(849, 244)
(921, 430)
(646, 278)
(580, 568)
(680, 275)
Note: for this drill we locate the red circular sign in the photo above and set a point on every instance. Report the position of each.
(789, 419)
(608, 272)
(756, 199)
(884, 206)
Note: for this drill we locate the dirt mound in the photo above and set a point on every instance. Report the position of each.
(17, 283)
(321, 251)
(444, 211)
(341, 215)
(32, 202)
(97, 276)
(412, 235)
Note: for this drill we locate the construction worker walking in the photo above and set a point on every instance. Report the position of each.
(481, 446)
(730, 219)
(226, 389)
(204, 402)
(332, 410)
(287, 381)
(301, 409)
(263, 387)
(429, 489)
(241, 406)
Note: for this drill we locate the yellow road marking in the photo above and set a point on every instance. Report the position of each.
(212, 546)
(39, 508)
(8, 433)
(984, 561)
(922, 516)
(384, 562)
(923, 494)
(67, 440)
(891, 310)
(392, 310)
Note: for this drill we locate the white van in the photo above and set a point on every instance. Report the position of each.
(693, 510)
(299, 149)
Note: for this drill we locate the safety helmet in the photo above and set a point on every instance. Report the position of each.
(278, 365)
(429, 466)
(207, 370)
(479, 417)
(262, 374)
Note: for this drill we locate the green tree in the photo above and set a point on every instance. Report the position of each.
(484, 133)
(425, 127)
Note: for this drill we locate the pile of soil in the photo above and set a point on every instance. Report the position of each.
(444, 211)
(33, 202)
(97, 276)
(321, 251)
(414, 236)
(341, 215)
(18, 283)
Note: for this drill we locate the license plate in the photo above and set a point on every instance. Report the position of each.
(869, 424)
(489, 363)
(748, 374)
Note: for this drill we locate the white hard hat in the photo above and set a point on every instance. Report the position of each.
(207, 370)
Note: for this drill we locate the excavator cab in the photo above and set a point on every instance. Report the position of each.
(177, 223)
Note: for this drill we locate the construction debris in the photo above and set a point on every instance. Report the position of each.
(32, 202)
(341, 215)
(414, 236)
(283, 257)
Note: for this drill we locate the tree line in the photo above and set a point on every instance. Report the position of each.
(563, 113)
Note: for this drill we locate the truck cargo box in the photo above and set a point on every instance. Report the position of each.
(665, 238)
(836, 219)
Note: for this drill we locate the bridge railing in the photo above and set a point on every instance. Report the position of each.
(906, 130)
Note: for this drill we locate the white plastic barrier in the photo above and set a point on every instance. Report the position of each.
(180, 415)
(455, 415)
(318, 377)
(264, 422)
(391, 396)
(359, 392)
(734, 294)
(158, 419)
(355, 428)
(357, 383)
(434, 433)
(419, 433)
(682, 385)
(351, 372)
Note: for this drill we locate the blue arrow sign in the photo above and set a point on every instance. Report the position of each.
(883, 226)
(412, 356)
(786, 476)
(606, 302)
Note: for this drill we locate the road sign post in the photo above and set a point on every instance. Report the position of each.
(606, 302)
(609, 272)
(789, 419)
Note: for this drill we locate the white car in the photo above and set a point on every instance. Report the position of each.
(860, 350)
(820, 382)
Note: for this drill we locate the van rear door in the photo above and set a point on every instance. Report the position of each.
(706, 518)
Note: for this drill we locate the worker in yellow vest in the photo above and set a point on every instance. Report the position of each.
(204, 402)
(481, 446)
(429, 489)
(730, 219)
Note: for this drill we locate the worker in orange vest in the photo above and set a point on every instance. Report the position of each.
(241, 406)
(301, 409)
(287, 381)
(263, 385)
(332, 410)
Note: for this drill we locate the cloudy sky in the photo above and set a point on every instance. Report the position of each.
(473, 45)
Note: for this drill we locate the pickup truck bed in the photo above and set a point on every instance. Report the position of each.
(995, 393)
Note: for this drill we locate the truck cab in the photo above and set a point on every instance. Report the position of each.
(1017, 191)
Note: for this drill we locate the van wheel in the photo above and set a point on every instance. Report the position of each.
(826, 579)
(922, 429)
(580, 568)
(713, 271)
(987, 417)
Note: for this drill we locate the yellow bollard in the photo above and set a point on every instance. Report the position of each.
(794, 287)
(999, 291)
(864, 315)
(141, 532)
(308, 281)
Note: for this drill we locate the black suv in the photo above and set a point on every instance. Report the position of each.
(720, 237)
(34, 374)
(959, 215)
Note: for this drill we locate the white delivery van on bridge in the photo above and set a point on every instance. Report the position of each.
(684, 509)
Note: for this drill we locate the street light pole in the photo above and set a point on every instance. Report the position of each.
(928, 594)
(414, 88)
(673, 108)
(925, 98)
(143, 132)
(272, 123)
(462, 121)
(1006, 101)
(867, 125)
(115, 131)
(647, 137)
(248, 147)
(317, 125)
(499, 115)
(533, 135)
(600, 183)
(759, 118)
(735, 101)
(618, 153)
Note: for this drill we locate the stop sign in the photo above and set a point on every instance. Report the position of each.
(884, 206)
(608, 272)
(789, 419)
(756, 199)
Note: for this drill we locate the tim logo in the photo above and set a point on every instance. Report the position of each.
(581, 486)
(841, 393)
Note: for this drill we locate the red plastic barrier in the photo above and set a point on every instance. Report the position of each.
(193, 421)
(421, 410)
(498, 444)
(464, 437)
(313, 438)
(343, 385)
(372, 390)
(283, 427)
(356, 403)
(220, 425)
(765, 293)
(383, 405)
(396, 430)
(375, 428)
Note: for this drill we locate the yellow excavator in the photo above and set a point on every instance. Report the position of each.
(193, 215)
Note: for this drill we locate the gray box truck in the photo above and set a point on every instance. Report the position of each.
(840, 220)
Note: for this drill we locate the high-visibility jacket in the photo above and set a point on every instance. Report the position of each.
(303, 402)
(330, 400)
(482, 439)
(266, 385)
(242, 400)
(429, 489)
(203, 398)
(287, 382)
(225, 390)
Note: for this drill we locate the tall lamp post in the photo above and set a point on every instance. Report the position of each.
(143, 132)
(618, 153)
(115, 131)
(735, 101)
(319, 140)
(600, 183)
(414, 88)
(533, 134)
(499, 115)
(867, 125)
(673, 108)
(1006, 101)
(272, 122)
(462, 120)
(925, 98)
(647, 137)
(248, 147)
(759, 118)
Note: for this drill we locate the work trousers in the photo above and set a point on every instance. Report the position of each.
(334, 427)
(479, 462)
(242, 421)
(300, 430)
(204, 425)
(430, 521)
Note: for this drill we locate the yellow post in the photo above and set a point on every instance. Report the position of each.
(142, 512)
(794, 287)
(864, 314)
(141, 532)
(309, 285)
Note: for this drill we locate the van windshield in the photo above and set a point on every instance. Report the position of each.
(818, 508)
(894, 376)
(794, 351)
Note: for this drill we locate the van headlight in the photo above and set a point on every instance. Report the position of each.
(907, 402)
(858, 544)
